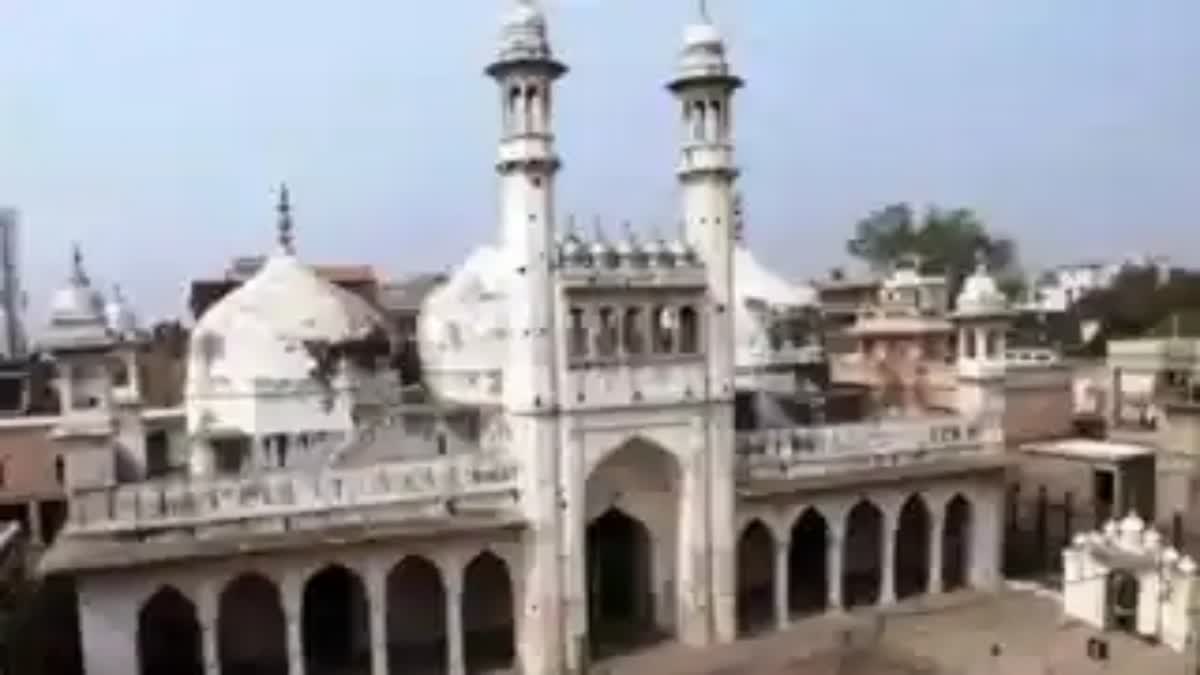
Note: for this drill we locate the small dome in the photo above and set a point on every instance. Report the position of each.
(77, 302)
(980, 295)
(523, 32)
(119, 315)
(524, 15)
(702, 35)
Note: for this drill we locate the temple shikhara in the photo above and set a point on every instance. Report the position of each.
(616, 438)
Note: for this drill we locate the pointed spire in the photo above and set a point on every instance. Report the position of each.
(598, 226)
(79, 276)
(704, 15)
(286, 237)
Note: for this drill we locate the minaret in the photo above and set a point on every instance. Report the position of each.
(525, 71)
(704, 87)
(982, 317)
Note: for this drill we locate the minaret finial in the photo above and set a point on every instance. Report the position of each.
(78, 274)
(286, 241)
(704, 15)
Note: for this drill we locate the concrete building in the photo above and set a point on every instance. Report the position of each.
(573, 477)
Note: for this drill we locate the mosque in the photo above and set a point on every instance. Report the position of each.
(617, 440)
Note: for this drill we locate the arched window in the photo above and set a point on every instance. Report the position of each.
(578, 344)
(514, 110)
(532, 121)
(993, 343)
(689, 330)
(608, 333)
(663, 330)
(968, 344)
(631, 329)
(699, 121)
(715, 121)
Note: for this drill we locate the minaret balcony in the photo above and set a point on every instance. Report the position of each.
(707, 157)
(526, 147)
(482, 484)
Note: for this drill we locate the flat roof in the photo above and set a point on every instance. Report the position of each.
(1086, 448)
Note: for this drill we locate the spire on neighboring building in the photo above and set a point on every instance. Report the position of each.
(286, 236)
(79, 276)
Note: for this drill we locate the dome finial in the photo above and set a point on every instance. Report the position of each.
(79, 276)
(981, 261)
(286, 241)
(704, 15)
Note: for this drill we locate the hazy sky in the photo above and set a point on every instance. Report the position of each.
(155, 131)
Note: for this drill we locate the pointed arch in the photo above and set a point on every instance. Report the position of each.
(756, 577)
(911, 567)
(808, 573)
(252, 629)
(416, 616)
(488, 622)
(862, 558)
(956, 535)
(168, 635)
(335, 621)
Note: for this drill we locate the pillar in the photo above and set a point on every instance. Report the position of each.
(108, 616)
(721, 531)
(887, 582)
(833, 570)
(455, 657)
(783, 582)
(377, 610)
(937, 519)
(206, 608)
(36, 533)
(293, 607)
(692, 601)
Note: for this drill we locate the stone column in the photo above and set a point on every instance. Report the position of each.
(833, 570)
(721, 534)
(293, 605)
(887, 585)
(782, 583)
(377, 609)
(936, 520)
(36, 534)
(107, 627)
(692, 600)
(455, 657)
(574, 546)
(208, 614)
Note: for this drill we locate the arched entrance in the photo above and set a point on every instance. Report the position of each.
(632, 510)
(862, 559)
(807, 562)
(756, 578)
(335, 621)
(956, 544)
(168, 636)
(252, 638)
(416, 617)
(912, 548)
(1123, 591)
(487, 615)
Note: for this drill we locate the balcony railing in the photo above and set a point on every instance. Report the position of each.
(818, 451)
(183, 503)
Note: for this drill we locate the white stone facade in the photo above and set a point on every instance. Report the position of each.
(576, 483)
(1124, 577)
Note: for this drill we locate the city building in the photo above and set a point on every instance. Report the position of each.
(615, 439)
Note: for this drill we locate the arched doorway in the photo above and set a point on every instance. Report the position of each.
(807, 561)
(956, 544)
(632, 512)
(487, 615)
(862, 558)
(252, 637)
(335, 624)
(416, 617)
(1123, 591)
(168, 636)
(912, 548)
(756, 578)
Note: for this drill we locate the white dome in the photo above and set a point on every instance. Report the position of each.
(980, 295)
(702, 35)
(119, 315)
(262, 325)
(524, 15)
(77, 302)
(523, 32)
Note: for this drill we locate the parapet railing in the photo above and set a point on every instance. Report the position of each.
(815, 451)
(181, 503)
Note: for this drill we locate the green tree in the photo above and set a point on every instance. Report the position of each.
(943, 241)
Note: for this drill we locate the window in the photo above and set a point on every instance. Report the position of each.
(993, 343)
(607, 336)
(578, 342)
(968, 344)
(689, 330)
(157, 459)
(60, 470)
(663, 328)
(632, 331)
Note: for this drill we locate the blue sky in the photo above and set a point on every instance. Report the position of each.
(155, 131)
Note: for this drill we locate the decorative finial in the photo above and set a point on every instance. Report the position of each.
(286, 241)
(704, 16)
(118, 296)
(78, 276)
(981, 261)
(598, 226)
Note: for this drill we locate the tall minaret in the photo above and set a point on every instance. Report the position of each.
(704, 87)
(525, 71)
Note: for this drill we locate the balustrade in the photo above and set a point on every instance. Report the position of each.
(182, 503)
